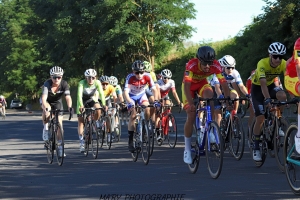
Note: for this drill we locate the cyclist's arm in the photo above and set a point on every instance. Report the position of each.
(44, 96)
(264, 88)
(224, 84)
(158, 91)
(218, 89)
(68, 96)
(243, 88)
(176, 96)
(100, 91)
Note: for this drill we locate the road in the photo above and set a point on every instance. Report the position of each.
(25, 173)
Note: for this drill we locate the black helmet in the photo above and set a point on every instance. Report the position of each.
(206, 54)
(138, 66)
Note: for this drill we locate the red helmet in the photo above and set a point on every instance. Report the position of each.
(297, 44)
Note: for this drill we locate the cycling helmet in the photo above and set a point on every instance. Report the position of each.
(90, 72)
(206, 54)
(297, 44)
(166, 73)
(227, 61)
(1, 97)
(148, 67)
(138, 66)
(104, 79)
(277, 48)
(56, 70)
(113, 80)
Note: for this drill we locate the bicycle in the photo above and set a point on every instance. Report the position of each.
(116, 123)
(242, 109)
(211, 146)
(1, 113)
(90, 132)
(167, 126)
(103, 129)
(291, 156)
(231, 128)
(56, 137)
(271, 135)
(142, 134)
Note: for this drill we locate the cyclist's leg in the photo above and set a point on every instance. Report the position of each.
(151, 99)
(258, 106)
(45, 119)
(80, 132)
(131, 119)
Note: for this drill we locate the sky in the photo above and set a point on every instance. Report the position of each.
(217, 20)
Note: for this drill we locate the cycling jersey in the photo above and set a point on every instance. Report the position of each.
(213, 80)
(52, 97)
(265, 70)
(234, 77)
(110, 90)
(86, 92)
(118, 90)
(291, 80)
(165, 87)
(138, 87)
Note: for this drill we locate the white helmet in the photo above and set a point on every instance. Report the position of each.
(277, 48)
(166, 73)
(56, 70)
(90, 72)
(227, 61)
(104, 79)
(1, 97)
(113, 80)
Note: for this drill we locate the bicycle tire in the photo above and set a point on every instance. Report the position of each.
(101, 133)
(86, 139)
(145, 144)
(50, 145)
(195, 153)
(151, 135)
(108, 136)
(118, 132)
(237, 138)
(94, 139)
(214, 150)
(136, 145)
(59, 143)
(160, 132)
(281, 123)
(291, 168)
(172, 130)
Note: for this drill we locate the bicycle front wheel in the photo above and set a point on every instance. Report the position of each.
(108, 135)
(87, 137)
(292, 163)
(59, 145)
(195, 151)
(151, 135)
(94, 139)
(145, 142)
(214, 150)
(237, 138)
(50, 145)
(171, 127)
(281, 128)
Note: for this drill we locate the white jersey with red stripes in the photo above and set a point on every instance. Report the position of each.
(165, 87)
(136, 86)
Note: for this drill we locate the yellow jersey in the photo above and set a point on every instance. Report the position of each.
(109, 90)
(265, 70)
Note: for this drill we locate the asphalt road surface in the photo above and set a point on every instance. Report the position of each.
(26, 174)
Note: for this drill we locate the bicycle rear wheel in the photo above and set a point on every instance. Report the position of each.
(108, 136)
(94, 140)
(50, 145)
(171, 126)
(117, 128)
(214, 150)
(59, 145)
(281, 128)
(237, 138)
(292, 159)
(195, 151)
(145, 143)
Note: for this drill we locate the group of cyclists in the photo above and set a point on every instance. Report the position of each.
(204, 76)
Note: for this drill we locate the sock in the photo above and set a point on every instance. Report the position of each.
(187, 143)
(80, 137)
(46, 126)
(298, 134)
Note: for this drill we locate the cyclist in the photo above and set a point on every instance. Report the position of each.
(148, 69)
(114, 82)
(194, 80)
(292, 82)
(51, 99)
(135, 91)
(89, 91)
(165, 84)
(3, 104)
(263, 88)
(233, 79)
(109, 91)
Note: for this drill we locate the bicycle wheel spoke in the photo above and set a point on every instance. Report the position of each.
(171, 130)
(237, 138)
(281, 128)
(50, 146)
(145, 142)
(59, 145)
(94, 140)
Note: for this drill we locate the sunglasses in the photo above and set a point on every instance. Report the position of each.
(56, 77)
(166, 78)
(277, 56)
(139, 72)
(229, 68)
(91, 77)
(206, 63)
(104, 84)
(298, 53)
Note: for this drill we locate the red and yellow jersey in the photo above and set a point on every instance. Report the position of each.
(291, 68)
(194, 74)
